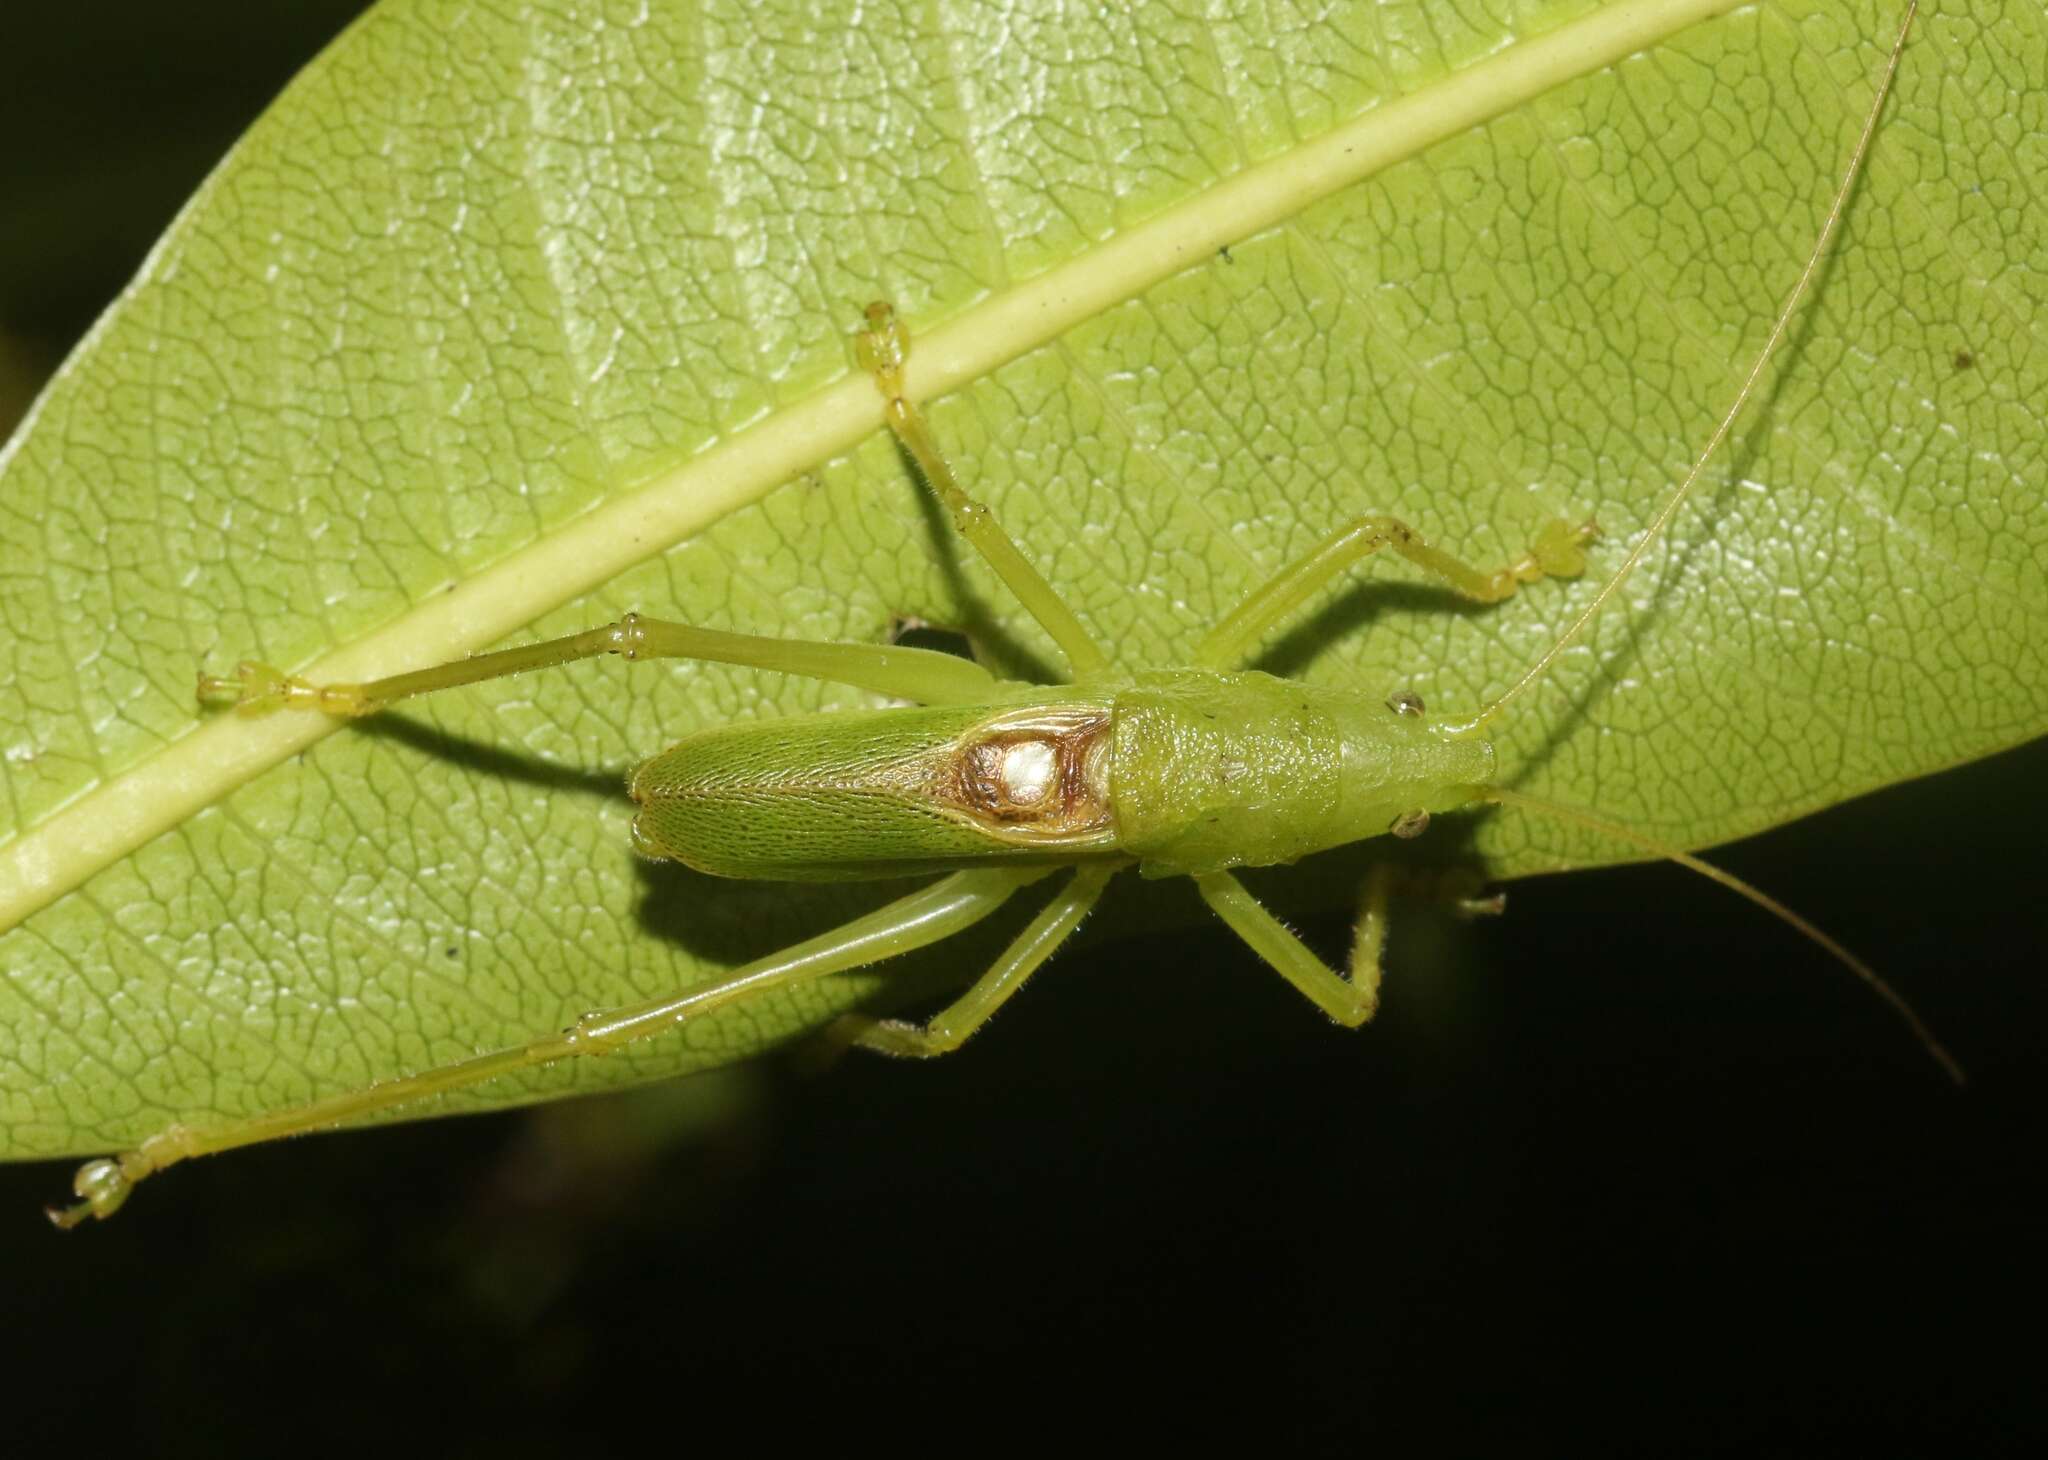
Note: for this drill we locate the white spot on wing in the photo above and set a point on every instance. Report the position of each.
(1027, 771)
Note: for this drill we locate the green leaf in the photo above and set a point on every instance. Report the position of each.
(498, 326)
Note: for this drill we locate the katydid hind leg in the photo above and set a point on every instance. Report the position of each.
(924, 917)
(923, 675)
(953, 1025)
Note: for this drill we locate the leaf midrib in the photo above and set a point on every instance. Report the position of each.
(126, 811)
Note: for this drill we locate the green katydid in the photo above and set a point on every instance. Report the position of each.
(1187, 770)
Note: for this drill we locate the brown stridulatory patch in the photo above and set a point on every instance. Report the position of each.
(1036, 773)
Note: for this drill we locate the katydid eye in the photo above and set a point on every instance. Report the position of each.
(1409, 824)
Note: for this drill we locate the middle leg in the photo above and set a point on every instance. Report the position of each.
(883, 349)
(951, 1026)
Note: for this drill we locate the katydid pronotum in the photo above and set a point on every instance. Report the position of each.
(1187, 770)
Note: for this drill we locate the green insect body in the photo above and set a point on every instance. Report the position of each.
(1213, 771)
(1182, 771)
(1185, 771)
(885, 793)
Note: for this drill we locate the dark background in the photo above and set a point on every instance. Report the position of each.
(1630, 1165)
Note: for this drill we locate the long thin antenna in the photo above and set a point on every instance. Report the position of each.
(1572, 816)
(1742, 397)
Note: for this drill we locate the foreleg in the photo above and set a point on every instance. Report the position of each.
(1558, 552)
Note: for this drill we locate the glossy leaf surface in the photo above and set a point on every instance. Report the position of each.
(497, 326)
